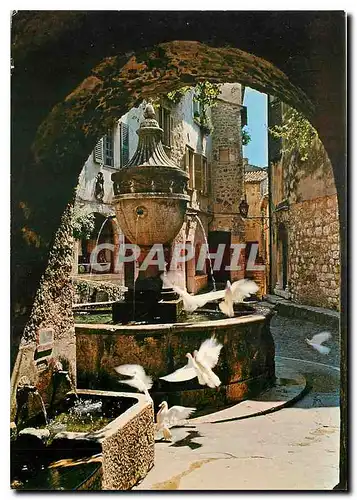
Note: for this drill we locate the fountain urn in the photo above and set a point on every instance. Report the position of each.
(150, 194)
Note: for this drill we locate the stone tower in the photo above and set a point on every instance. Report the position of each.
(227, 225)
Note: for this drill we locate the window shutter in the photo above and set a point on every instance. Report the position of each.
(98, 151)
(124, 137)
(209, 178)
(198, 172)
(204, 175)
(171, 137)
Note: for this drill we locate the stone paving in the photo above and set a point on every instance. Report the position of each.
(296, 448)
(289, 337)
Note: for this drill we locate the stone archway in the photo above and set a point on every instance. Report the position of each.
(55, 137)
(70, 130)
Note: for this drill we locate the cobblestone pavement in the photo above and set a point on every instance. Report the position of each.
(289, 337)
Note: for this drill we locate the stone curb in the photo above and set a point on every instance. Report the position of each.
(326, 317)
(292, 392)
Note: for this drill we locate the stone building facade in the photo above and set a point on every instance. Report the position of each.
(305, 250)
(257, 223)
(215, 165)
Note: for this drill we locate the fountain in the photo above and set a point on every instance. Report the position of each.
(150, 206)
(148, 327)
(94, 425)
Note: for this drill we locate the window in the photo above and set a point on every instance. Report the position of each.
(124, 144)
(224, 155)
(196, 108)
(109, 149)
(190, 166)
(104, 150)
(165, 123)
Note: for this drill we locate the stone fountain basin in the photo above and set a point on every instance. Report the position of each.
(246, 364)
(149, 218)
(124, 447)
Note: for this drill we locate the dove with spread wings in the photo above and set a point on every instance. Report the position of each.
(317, 341)
(234, 293)
(167, 418)
(200, 365)
(139, 379)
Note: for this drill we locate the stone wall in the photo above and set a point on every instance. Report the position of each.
(305, 206)
(314, 252)
(51, 312)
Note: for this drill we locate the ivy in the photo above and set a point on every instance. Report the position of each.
(85, 290)
(204, 122)
(83, 225)
(206, 93)
(297, 133)
(176, 95)
(246, 138)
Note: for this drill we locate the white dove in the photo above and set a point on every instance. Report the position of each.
(235, 293)
(226, 305)
(167, 418)
(317, 340)
(192, 302)
(242, 289)
(199, 365)
(139, 380)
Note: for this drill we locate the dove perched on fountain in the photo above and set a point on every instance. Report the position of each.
(139, 380)
(319, 339)
(242, 289)
(191, 302)
(236, 292)
(226, 305)
(200, 365)
(167, 418)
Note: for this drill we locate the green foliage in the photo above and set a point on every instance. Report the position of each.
(176, 95)
(206, 93)
(246, 138)
(204, 122)
(297, 133)
(85, 289)
(83, 225)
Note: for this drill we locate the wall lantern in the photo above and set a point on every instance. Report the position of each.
(243, 208)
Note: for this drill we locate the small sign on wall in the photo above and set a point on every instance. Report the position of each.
(45, 338)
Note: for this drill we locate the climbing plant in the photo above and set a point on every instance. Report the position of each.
(83, 225)
(297, 133)
(206, 95)
(176, 95)
(246, 138)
